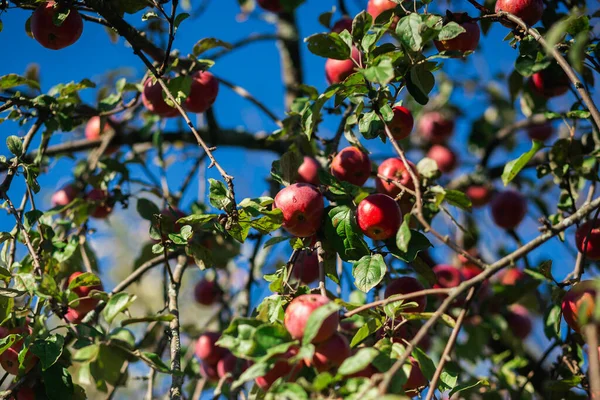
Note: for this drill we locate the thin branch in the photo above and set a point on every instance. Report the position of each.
(321, 259)
(396, 297)
(177, 378)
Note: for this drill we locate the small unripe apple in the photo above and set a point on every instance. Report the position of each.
(579, 304)
(480, 195)
(344, 24)
(444, 157)
(402, 123)
(509, 209)
(337, 71)
(270, 5)
(406, 285)
(98, 198)
(351, 165)
(64, 195)
(308, 171)
(86, 305)
(511, 277)
(53, 37)
(153, 100)
(331, 353)
(435, 128)
(541, 132)
(550, 82)
(587, 239)
(394, 169)
(379, 216)
(209, 372)
(376, 7)
(416, 379)
(280, 368)
(302, 207)
(530, 11)
(207, 350)
(300, 309)
(466, 41)
(306, 267)
(203, 92)
(207, 292)
(447, 276)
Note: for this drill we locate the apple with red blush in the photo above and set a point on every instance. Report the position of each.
(302, 207)
(50, 34)
(465, 41)
(99, 200)
(300, 309)
(444, 157)
(480, 195)
(416, 380)
(402, 123)
(379, 216)
(336, 71)
(203, 92)
(587, 239)
(541, 132)
(308, 171)
(579, 304)
(153, 100)
(394, 170)
(519, 321)
(508, 209)
(351, 165)
(86, 304)
(306, 267)
(65, 195)
(331, 353)
(343, 24)
(530, 11)
(550, 82)
(207, 292)
(435, 127)
(207, 349)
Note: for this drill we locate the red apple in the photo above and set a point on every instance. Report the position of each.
(306, 267)
(511, 277)
(376, 7)
(444, 157)
(480, 195)
(270, 5)
(406, 285)
(207, 292)
(550, 82)
(466, 41)
(519, 321)
(209, 372)
(379, 216)
(435, 128)
(24, 393)
(85, 305)
(203, 92)
(302, 207)
(331, 353)
(280, 368)
(207, 349)
(415, 380)
(227, 365)
(48, 34)
(153, 100)
(9, 360)
(94, 131)
(337, 71)
(99, 200)
(509, 209)
(587, 239)
(344, 24)
(541, 132)
(530, 11)
(308, 171)
(394, 169)
(402, 123)
(447, 276)
(74, 316)
(579, 304)
(300, 309)
(351, 165)
(64, 195)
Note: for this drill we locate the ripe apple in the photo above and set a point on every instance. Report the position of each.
(306, 267)
(579, 304)
(402, 123)
(480, 195)
(379, 216)
(337, 71)
(98, 199)
(74, 316)
(207, 292)
(519, 321)
(406, 285)
(466, 41)
(65, 195)
(153, 100)
(377, 7)
(530, 11)
(550, 82)
(509, 209)
(302, 207)
(203, 92)
(209, 372)
(270, 5)
(511, 277)
(280, 368)
(9, 360)
(86, 305)
(227, 365)
(444, 157)
(300, 309)
(331, 353)
(308, 171)
(435, 128)
(207, 349)
(415, 380)
(447, 276)
(351, 165)
(53, 37)
(587, 239)
(94, 131)
(394, 169)
(541, 132)
(344, 24)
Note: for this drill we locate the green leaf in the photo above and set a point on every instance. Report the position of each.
(420, 81)
(160, 318)
(58, 383)
(458, 199)
(180, 89)
(368, 272)
(275, 240)
(48, 287)
(11, 293)
(85, 279)
(219, 196)
(197, 219)
(285, 170)
(13, 80)
(328, 45)
(404, 234)
(382, 73)
(469, 385)
(7, 342)
(179, 19)
(552, 323)
(117, 304)
(291, 391)
(86, 354)
(409, 31)
(209, 44)
(361, 25)
(427, 366)
(512, 168)
(48, 350)
(361, 360)
(450, 31)
(147, 209)
(316, 319)
(340, 227)
(149, 15)
(366, 330)
(418, 242)
(155, 362)
(15, 145)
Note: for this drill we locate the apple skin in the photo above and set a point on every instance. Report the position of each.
(209, 372)
(25, 393)
(303, 207)
(466, 41)
(351, 165)
(152, 97)
(435, 128)
(270, 5)
(447, 276)
(530, 11)
(9, 360)
(93, 131)
(85, 305)
(580, 299)
(207, 350)
(379, 216)
(511, 277)
(298, 312)
(509, 209)
(444, 157)
(589, 230)
(207, 292)
(74, 316)
(203, 92)
(344, 24)
(480, 195)
(402, 123)
(308, 171)
(376, 7)
(337, 71)
(331, 353)
(99, 197)
(394, 169)
(541, 132)
(227, 365)
(306, 268)
(550, 82)
(415, 380)
(406, 285)
(64, 195)
(281, 368)
(519, 321)
(51, 36)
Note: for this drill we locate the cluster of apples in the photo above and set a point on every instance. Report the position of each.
(98, 198)
(75, 314)
(217, 362)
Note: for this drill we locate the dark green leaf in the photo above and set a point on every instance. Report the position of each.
(147, 209)
(85, 279)
(58, 383)
(209, 44)
(340, 227)
(328, 45)
(219, 196)
(15, 145)
(48, 350)
(368, 272)
(361, 360)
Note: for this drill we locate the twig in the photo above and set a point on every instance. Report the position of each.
(177, 379)
(591, 337)
(321, 258)
(396, 297)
